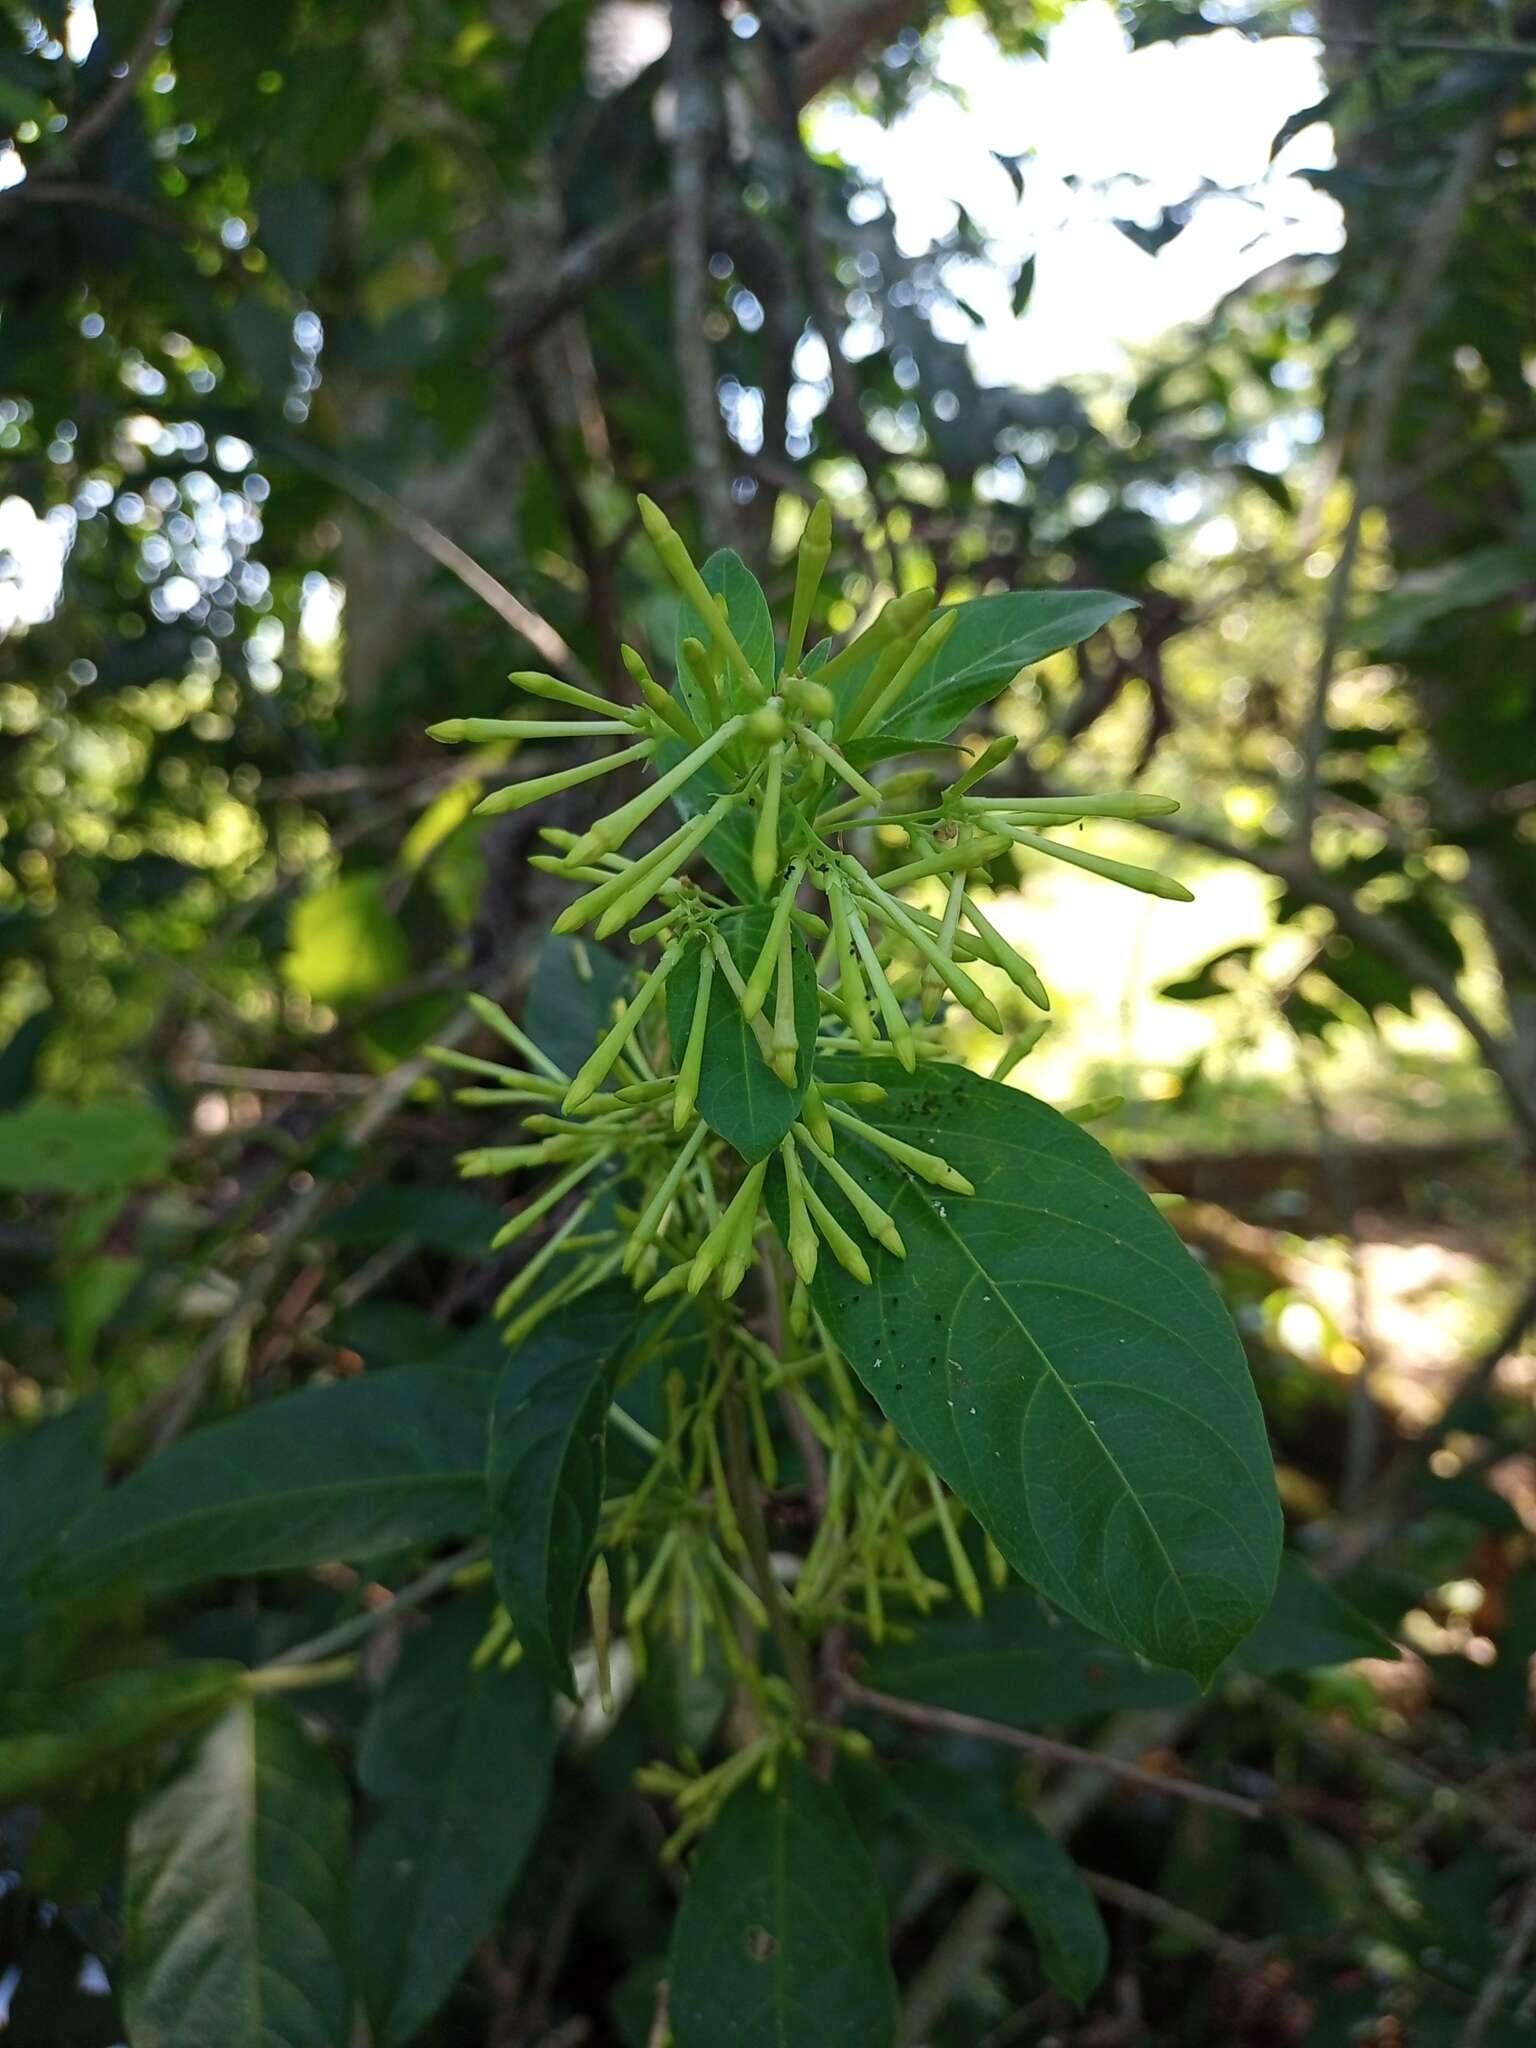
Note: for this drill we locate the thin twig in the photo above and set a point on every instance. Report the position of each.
(918, 1714)
(545, 640)
(361, 1626)
(1491, 1997)
(1130, 1898)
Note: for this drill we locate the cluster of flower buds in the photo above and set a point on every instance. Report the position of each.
(781, 751)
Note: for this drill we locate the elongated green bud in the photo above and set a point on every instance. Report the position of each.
(926, 1165)
(610, 834)
(612, 885)
(926, 647)
(761, 977)
(518, 795)
(535, 683)
(738, 988)
(933, 983)
(813, 1112)
(1147, 880)
(1002, 954)
(765, 838)
(599, 1599)
(740, 1215)
(949, 969)
(893, 622)
(786, 1042)
(897, 1029)
(1129, 803)
(841, 768)
(480, 731)
(523, 1281)
(1025, 1042)
(615, 1040)
(849, 980)
(643, 1236)
(1096, 1106)
(520, 1224)
(876, 1220)
(493, 1015)
(959, 1563)
(990, 757)
(844, 1250)
(693, 1057)
(971, 850)
(802, 1235)
(875, 684)
(655, 874)
(669, 712)
(850, 1091)
(678, 563)
(810, 567)
(697, 661)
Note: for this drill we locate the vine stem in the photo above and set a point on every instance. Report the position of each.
(918, 1714)
(333, 1640)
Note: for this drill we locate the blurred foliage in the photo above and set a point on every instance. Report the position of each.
(298, 306)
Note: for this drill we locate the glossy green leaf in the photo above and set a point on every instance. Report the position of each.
(356, 1470)
(740, 1096)
(234, 1919)
(546, 1468)
(1066, 1367)
(781, 1937)
(571, 997)
(993, 639)
(967, 1822)
(459, 1760)
(53, 1742)
(57, 1148)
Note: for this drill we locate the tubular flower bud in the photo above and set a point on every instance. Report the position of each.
(810, 567)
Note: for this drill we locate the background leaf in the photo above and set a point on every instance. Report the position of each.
(1064, 1364)
(740, 1096)
(781, 1937)
(966, 1820)
(545, 1472)
(65, 1150)
(459, 1760)
(234, 1894)
(354, 1470)
(571, 998)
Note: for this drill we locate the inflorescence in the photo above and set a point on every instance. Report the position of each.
(790, 758)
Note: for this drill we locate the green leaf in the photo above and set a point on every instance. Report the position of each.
(546, 1468)
(356, 1470)
(234, 1921)
(1064, 1365)
(55, 1147)
(49, 1742)
(571, 998)
(993, 639)
(460, 1760)
(346, 944)
(740, 1096)
(1309, 1626)
(781, 1936)
(1021, 1664)
(966, 1821)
